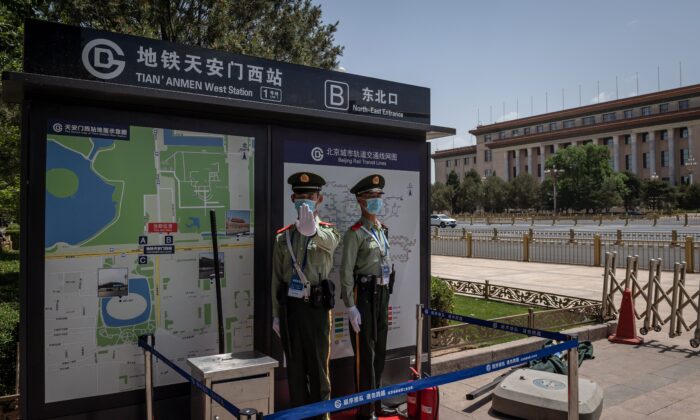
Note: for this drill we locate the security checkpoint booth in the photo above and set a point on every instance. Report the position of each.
(128, 144)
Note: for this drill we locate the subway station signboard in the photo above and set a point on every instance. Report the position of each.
(83, 53)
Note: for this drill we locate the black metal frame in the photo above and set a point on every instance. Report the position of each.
(45, 97)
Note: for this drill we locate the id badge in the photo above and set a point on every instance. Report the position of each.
(296, 287)
(386, 273)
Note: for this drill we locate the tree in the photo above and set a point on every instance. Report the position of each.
(441, 197)
(285, 30)
(633, 196)
(690, 198)
(469, 193)
(586, 169)
(495, 194)
(657, 194)
(524, 190)
(545, 195)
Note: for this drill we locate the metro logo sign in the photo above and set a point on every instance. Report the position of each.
(162, 227)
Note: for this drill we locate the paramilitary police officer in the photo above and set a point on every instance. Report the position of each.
(302, 297)
(367, 277)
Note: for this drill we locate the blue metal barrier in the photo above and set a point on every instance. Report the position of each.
(360, 398)
(210, 392)
(353, 400)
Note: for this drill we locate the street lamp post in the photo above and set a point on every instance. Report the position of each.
(690, 163)
(554, 172)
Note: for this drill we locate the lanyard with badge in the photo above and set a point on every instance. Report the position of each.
(383, 251)
(298, 286)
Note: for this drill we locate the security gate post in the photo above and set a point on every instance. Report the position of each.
(573, 383)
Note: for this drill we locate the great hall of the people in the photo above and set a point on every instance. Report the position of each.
(651, 135)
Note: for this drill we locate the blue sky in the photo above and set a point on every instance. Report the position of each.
(479, 54)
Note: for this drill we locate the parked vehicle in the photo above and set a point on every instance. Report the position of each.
(442, 220)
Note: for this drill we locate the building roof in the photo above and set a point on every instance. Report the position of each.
(459, 151)
(640, 100)
(606, 127)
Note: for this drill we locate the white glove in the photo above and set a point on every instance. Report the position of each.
(306, 224)
(276, 326)
(354, 318)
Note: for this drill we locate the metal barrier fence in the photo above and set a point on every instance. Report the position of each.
(464, 336)
(684, 219)
(490, 291)
(673, 236)
(677, 306)
(562, 311)
(569, 250)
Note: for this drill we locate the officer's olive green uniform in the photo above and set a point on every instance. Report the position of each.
(362, 256)
(305, 329)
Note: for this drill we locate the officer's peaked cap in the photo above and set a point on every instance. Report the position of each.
(372, 183)
(303, 182)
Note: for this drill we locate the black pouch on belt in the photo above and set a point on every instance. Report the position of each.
(316, 296)
(328, 293)
(392, 279)
(282, 293)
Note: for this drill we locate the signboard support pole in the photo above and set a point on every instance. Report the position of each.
(149, 377)
(419, 338)
(217, 278)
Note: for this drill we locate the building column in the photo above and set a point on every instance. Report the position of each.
(633, 160)
(616, 153)
(529, 161)
(671, 157)
(517, 163)
(542, 160)
(652, 153)
(507, 165)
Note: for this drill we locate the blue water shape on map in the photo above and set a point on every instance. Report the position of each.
(99, 143)
(194, 222)
(76, 218)
(171, 139)
(137, 286)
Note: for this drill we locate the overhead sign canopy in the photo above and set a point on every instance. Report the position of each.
(83, 53)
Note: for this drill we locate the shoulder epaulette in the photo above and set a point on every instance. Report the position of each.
(285, 228)
(322, 223)
(356, 226)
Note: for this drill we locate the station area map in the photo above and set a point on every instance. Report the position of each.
(128, 252)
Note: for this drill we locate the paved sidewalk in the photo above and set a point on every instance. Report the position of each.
(657, 380)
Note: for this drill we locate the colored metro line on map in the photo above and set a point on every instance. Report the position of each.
(128, 252)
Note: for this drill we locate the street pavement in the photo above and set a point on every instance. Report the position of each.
(659, 379)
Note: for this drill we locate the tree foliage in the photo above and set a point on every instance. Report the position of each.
(285, 30)
(689, 197)
(523, 192)
(470, 193)
(657, 194)
(495, 194)
(441, 197)
(587, 181)
(633, 195)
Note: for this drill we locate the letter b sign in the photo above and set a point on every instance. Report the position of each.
(337, 95)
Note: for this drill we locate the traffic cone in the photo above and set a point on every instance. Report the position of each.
(626, 326)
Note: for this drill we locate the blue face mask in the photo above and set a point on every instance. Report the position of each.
(310, 203)
(374, 205)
